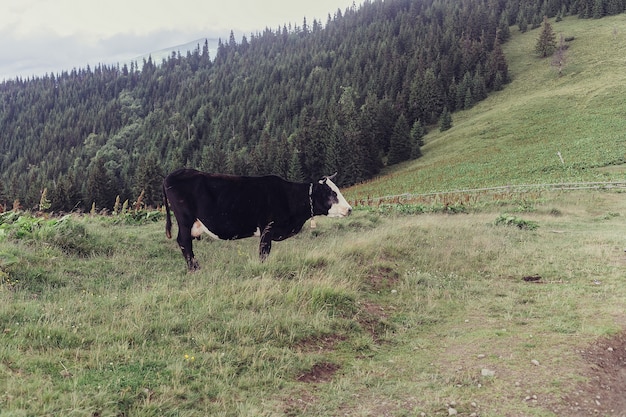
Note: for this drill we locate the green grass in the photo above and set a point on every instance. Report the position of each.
(403, 312)
(396, 310)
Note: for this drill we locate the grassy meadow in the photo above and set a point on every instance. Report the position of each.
(398, 310)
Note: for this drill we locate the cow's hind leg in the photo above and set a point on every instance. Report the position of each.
(184, 242)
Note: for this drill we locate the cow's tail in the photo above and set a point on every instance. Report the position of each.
(168, 217)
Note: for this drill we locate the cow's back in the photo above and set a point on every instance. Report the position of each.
(228, 206)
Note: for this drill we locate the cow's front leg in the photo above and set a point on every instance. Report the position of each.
(192, 263)
(184, 243)
(265, 246)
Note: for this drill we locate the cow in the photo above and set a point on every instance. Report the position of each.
(231, 207)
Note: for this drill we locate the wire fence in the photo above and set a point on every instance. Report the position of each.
(496, 193)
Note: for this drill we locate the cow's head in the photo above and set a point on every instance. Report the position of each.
(327, 199)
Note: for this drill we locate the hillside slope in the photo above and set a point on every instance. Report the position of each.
(513, 136)
(299, 102)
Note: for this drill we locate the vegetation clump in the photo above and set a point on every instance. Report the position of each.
(65, 233)
(6, 260)
(507, 220)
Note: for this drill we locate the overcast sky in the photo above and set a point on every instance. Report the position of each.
(43, 36)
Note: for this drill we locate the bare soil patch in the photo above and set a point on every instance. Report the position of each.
(383, 278)
(604, 391)
(320, 372)
(373, 319)
(320, 343)
(298, 404)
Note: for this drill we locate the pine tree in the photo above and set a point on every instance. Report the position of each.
(417, 139)
(400, 146)
(100, 186)
(3, 197)
(295, 167)
(522, 24)
(148, 179)
(497, 68)
(445, 122)
(65, 196)
(598, 9)
(546, 44)
(614, 7)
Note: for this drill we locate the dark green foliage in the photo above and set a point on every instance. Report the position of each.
(497, 70)
(400, 146)
(445, 122)
(149, 179)
(417, 139)
(298, 101)
(546, 43)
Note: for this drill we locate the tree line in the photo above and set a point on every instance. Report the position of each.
(351, 94)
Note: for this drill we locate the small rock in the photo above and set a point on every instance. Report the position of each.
(610, 349)
(535, 362)
(481, 356)
(452, 411)
(487, 372)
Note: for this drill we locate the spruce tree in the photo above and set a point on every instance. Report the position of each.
(400, 146)
(417, 139)
(497, 67)
(546, 43)
(445, 122)
(148, 179)
(598, 9)
(3, 197)
(295, 167)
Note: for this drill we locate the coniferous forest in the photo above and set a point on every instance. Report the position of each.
(350, 94)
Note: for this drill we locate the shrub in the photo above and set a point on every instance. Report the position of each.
(506, 220)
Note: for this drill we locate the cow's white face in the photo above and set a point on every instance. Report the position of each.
(339, 207)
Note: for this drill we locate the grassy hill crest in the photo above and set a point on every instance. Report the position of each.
(513, 136)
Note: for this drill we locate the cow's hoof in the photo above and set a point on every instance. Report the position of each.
(193, 266)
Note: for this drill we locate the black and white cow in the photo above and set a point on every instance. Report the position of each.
(234, 207)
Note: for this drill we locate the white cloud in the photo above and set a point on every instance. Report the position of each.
(41, 36)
